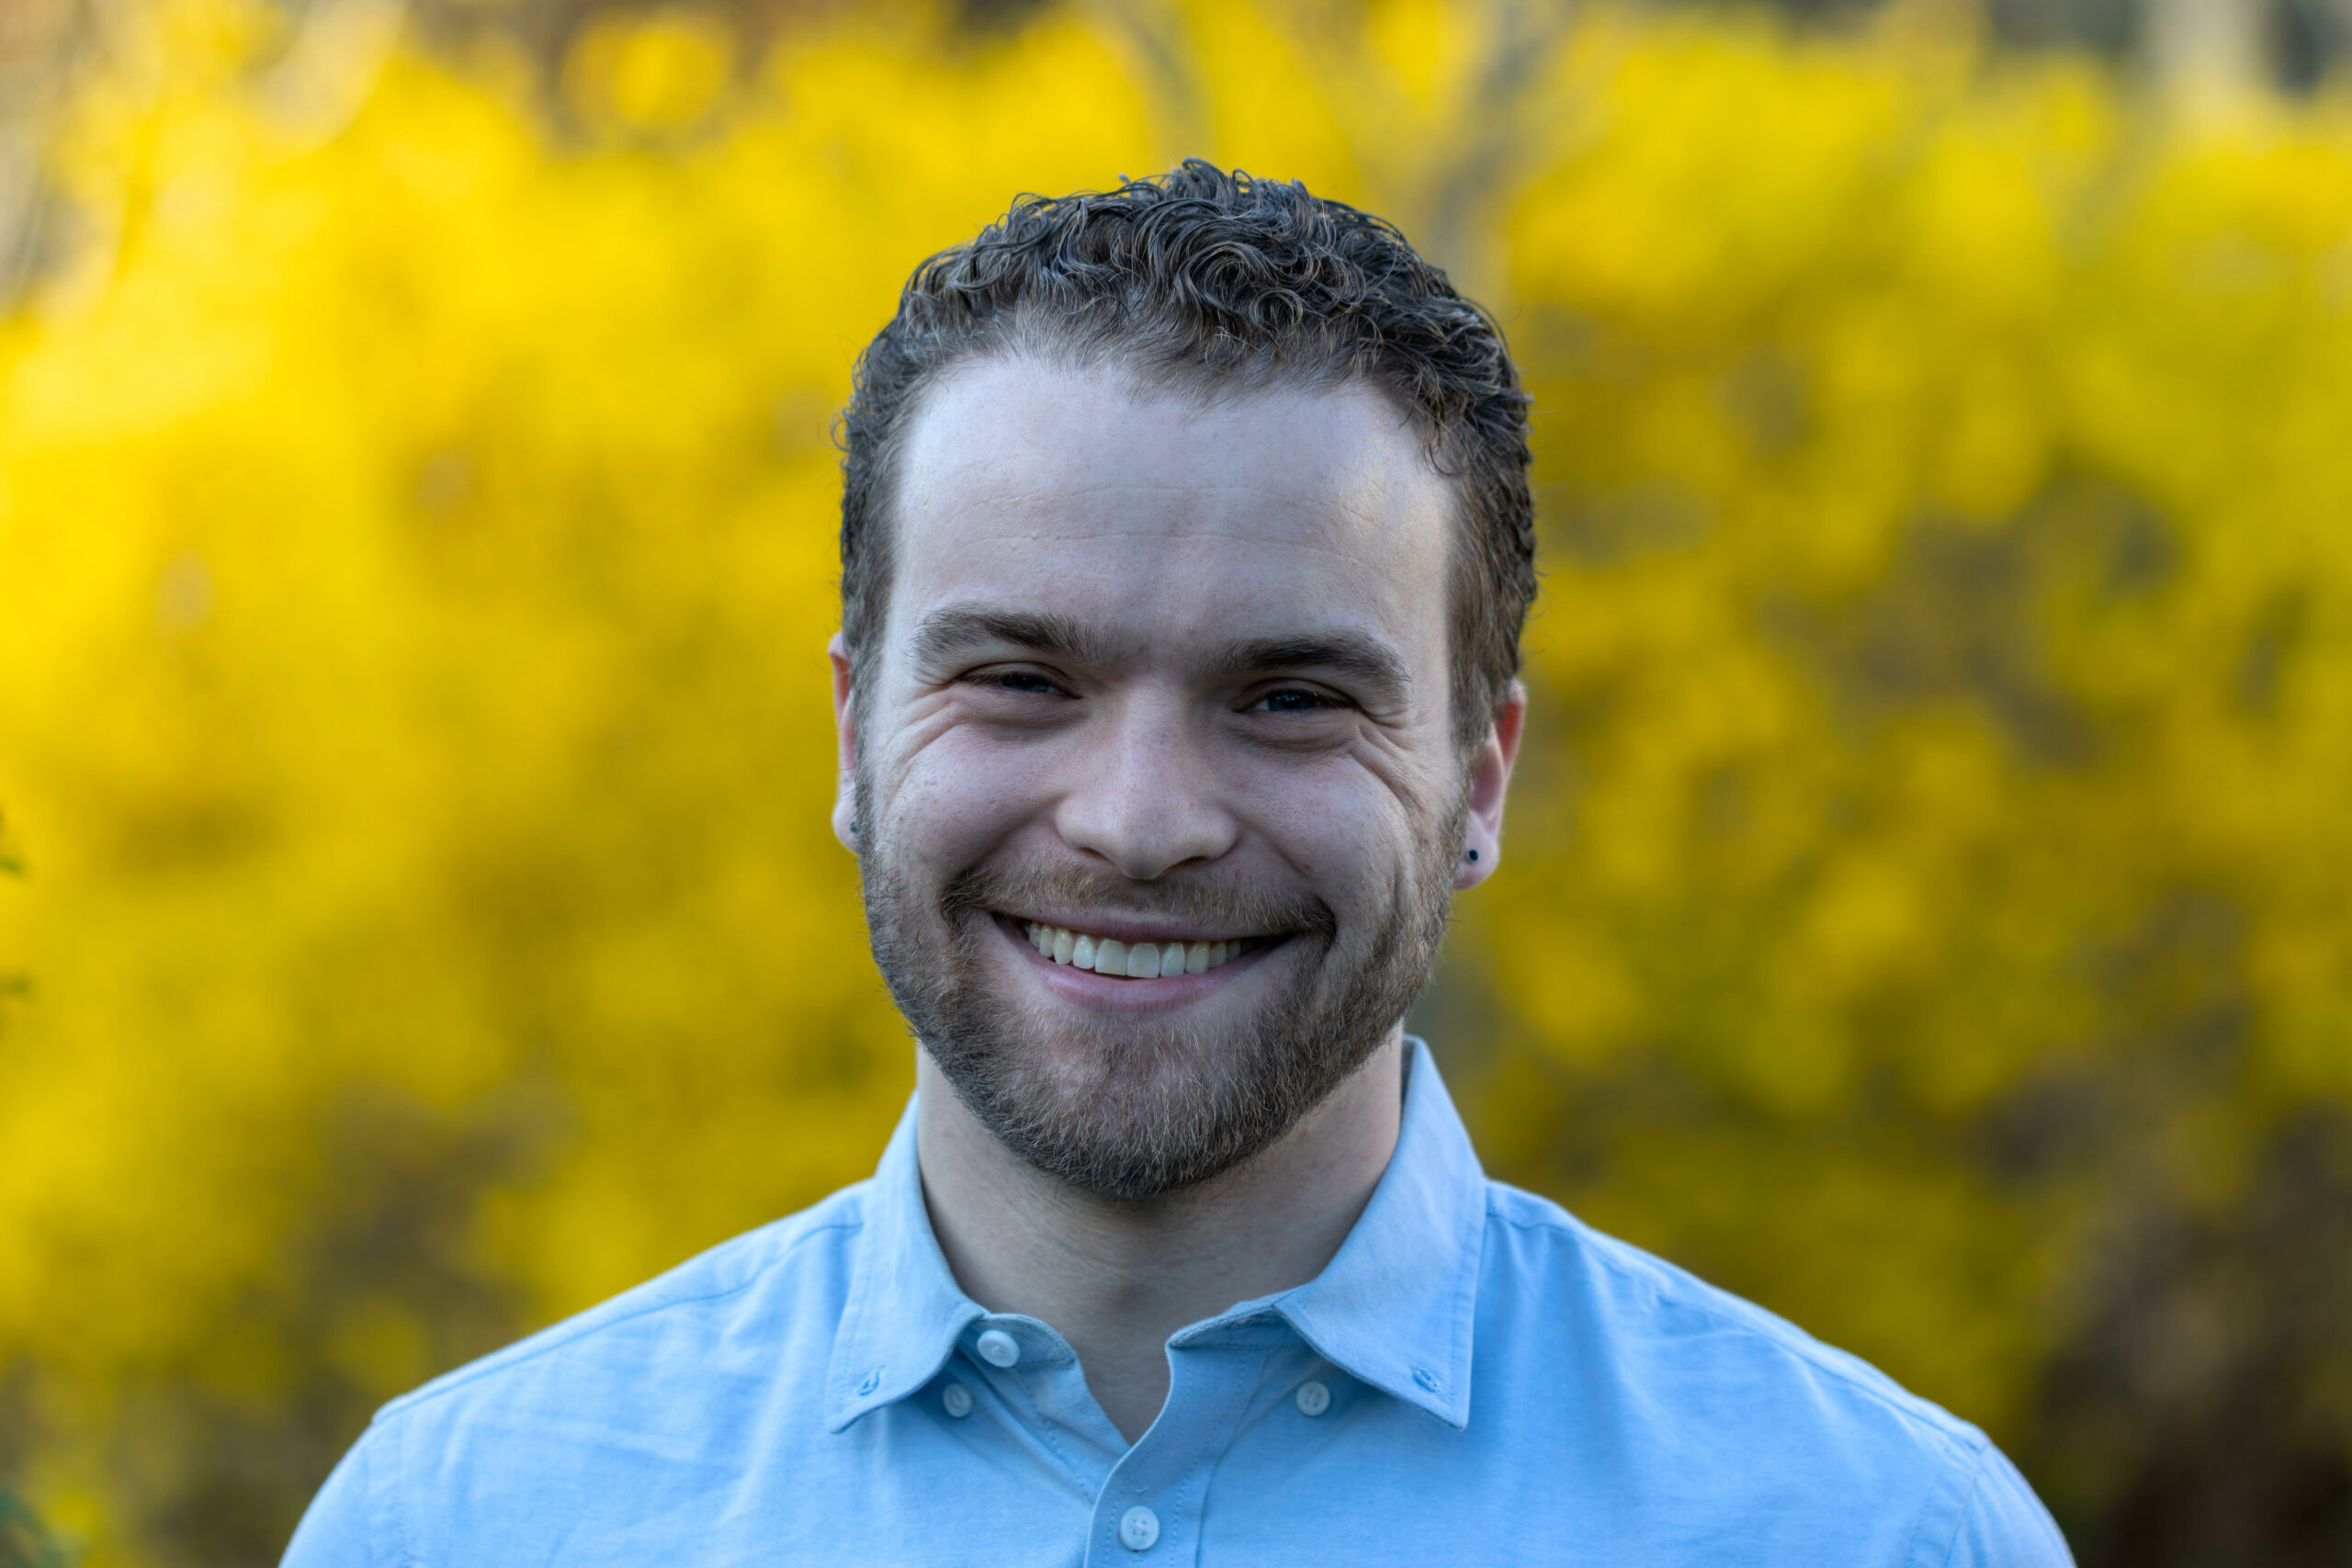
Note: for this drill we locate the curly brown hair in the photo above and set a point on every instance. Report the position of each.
(1224, 282)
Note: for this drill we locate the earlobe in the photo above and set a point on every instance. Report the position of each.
(1489, 781)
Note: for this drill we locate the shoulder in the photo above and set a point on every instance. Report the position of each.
(771, 1297)
(1663, 1320)
(510, 1445)
(1741, 1404)
(655, 1375)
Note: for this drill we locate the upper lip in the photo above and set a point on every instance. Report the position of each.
(1131, 928)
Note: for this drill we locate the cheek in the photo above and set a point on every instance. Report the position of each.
(955, 796)
(1339, 827)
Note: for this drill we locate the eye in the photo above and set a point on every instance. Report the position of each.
(1293, 699)
(1024, 683)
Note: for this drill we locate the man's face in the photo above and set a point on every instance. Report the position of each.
(1171, 679)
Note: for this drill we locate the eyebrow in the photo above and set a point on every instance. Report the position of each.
(1364, 663)
(954, 630)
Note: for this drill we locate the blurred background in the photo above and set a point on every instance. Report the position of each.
(1926, 910)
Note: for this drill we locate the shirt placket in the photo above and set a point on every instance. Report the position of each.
(1041, 1389)
(1149, 1514)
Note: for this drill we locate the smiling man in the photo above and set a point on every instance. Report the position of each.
(1186, 542)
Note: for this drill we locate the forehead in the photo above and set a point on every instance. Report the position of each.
(1163, 518)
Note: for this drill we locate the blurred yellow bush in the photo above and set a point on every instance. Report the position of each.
(1924, 906)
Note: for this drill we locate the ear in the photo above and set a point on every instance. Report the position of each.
(845, 737)
(1490, 768)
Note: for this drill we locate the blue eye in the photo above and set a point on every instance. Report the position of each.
(1021, 681)
(1291, 702)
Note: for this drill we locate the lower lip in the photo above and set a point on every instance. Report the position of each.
(1086, 986)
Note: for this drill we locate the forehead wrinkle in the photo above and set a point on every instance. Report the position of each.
(1048, 497)
(1063, 516)
(1020, 475)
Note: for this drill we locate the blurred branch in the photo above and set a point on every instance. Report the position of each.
(1153, 34)
(320, 82)
(42, 44)
(1524, 37)
(1438, 181)
(2209, 53)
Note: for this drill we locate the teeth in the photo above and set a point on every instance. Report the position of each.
(1136, 961)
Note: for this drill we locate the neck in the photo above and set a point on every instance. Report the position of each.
(1117, 1278)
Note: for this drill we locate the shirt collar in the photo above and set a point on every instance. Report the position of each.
(1393, 1309)
(904, 1310)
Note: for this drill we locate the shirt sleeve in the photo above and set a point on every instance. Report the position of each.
(336, 1530)
(2005, 1525)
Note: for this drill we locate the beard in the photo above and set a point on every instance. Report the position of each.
(1137, 1109)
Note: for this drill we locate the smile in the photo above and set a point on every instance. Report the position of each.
(1132, 961)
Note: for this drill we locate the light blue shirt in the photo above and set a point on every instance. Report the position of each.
(1477, 1378)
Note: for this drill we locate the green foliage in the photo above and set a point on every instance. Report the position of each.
(24, 1541)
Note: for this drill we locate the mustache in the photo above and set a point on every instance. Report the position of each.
(1209, 904)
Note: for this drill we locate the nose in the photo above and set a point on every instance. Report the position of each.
(1146, 798)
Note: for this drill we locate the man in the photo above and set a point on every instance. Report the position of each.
(1186, 541)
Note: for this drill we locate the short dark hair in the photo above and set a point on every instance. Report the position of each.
(1222, 281)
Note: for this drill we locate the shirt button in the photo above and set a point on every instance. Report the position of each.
(999, 1348)
(957, 1399)
(1313, 1399)
(1138, 1528)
